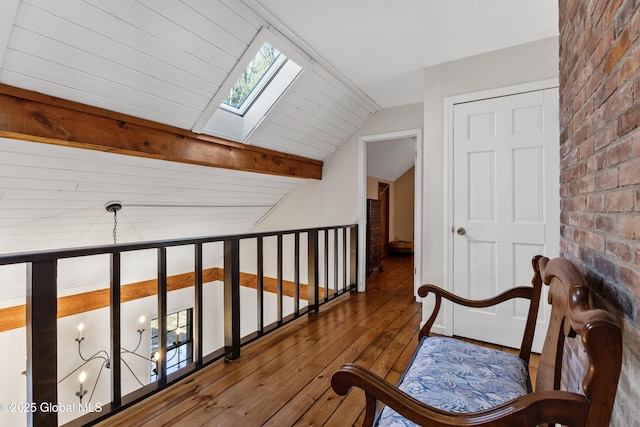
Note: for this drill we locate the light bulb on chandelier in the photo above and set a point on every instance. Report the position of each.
(104, 357)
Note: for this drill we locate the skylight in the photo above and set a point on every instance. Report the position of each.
(257, 74)
(257, 88)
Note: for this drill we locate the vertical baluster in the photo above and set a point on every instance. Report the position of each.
(116, 333)
(345, 285)
(198, 306)
(42, 345)
(335, 262)
(313, 287)
(162, 315)
(353, 242)
(260, 284)
(232, 299)
(279, 279)
(326, 264)
(296, 274)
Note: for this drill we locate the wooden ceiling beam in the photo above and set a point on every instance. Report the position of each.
(31, 116)
(15, 317)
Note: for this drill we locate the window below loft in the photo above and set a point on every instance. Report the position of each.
(179, 351)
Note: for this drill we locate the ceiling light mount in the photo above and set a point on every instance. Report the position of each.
(113, 206)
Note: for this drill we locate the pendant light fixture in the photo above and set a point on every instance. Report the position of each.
(114, 206)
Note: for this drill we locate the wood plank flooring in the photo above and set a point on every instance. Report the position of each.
(284, 378)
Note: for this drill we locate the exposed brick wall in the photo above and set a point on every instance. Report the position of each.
(600, 145)
(600, 168)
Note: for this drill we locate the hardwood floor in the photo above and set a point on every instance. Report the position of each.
(284, 378)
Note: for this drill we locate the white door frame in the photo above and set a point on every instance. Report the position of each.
(450, 102)
(362, 204)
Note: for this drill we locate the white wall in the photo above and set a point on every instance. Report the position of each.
(326, 271)
(334, 199)
(521, 64)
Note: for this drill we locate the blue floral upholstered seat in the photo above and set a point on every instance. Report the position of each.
(457, 376)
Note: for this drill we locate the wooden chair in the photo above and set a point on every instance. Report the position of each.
(573, 314)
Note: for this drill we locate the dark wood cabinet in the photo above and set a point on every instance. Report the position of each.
(374, 245)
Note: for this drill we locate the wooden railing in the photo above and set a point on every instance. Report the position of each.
(42, 301)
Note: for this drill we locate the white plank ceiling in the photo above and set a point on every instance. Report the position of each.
(161, 60)
(164, 60)
(53, 197)
(389, 160)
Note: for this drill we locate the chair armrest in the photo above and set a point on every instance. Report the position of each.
(531, 409)
(424, 290)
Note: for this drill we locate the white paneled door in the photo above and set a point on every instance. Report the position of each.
(505, 206)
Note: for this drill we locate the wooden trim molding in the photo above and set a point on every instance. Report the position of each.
(15, 317)
(31, 116)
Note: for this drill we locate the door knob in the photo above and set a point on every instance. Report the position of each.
(461, 231)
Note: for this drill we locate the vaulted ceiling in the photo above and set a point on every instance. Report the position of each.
(170, 62)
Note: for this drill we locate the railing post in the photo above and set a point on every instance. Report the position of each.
(260, 284)
(232, 299)
(198, 304)
(326, 264)
(162, 315)
(279, 281)
(42, 342)
(313, 286)
(353, 244)
(335, 262)
(116, 344)
(296, 274)
(344, 260)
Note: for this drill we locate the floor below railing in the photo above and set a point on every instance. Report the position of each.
(284, 378)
